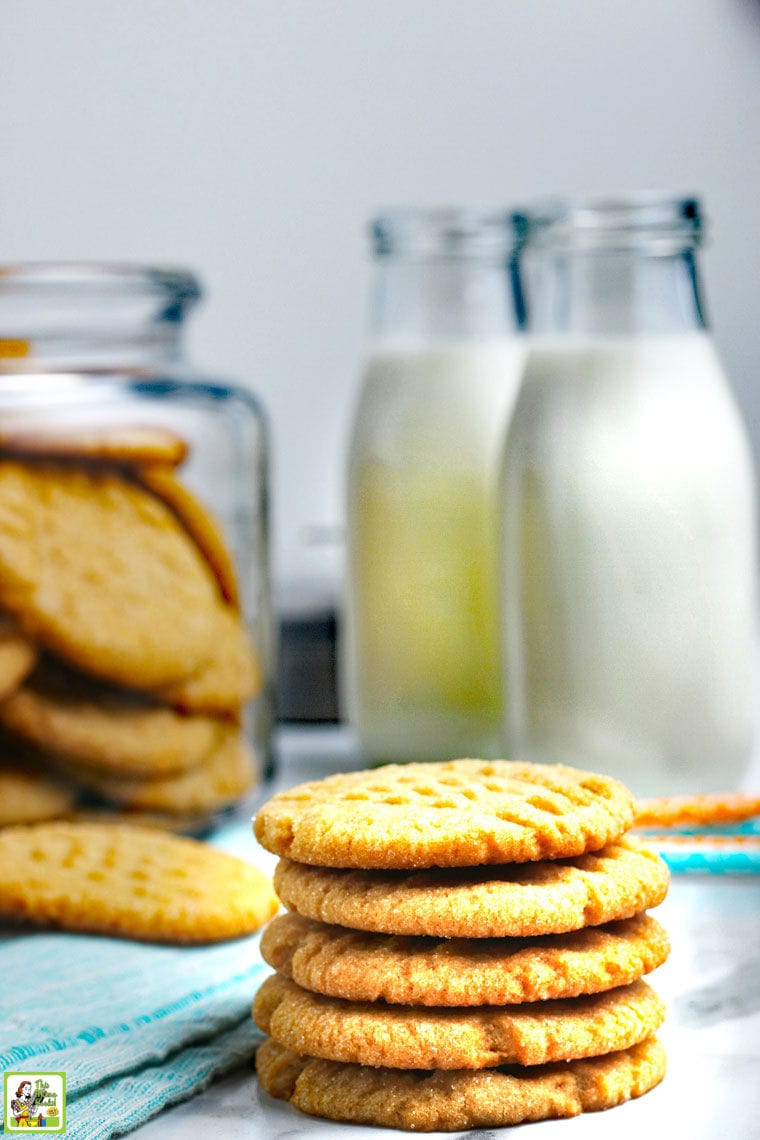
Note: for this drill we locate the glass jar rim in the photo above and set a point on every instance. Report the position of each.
(648, 220)
(177, 285)
(444, 231)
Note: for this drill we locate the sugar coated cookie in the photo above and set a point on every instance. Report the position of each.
(461, 813)
(107, 443)
(28, 795)
(18, 655)
(459, 1100)
(102, 574)
(199, 523)
(223, 776)
(135, 882)
(413, 1037)
(482, 902)
(106, 731)
(364, 967)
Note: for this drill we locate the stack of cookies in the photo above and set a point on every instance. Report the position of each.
(465, 946)
(124, 659)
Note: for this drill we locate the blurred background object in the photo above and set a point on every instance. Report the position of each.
(252, 139)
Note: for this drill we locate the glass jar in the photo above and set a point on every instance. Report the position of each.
(135, 633)
(423, 672)
(628, 509)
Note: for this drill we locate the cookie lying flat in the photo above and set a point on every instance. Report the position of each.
(18, 655)
(135, 882)
(107, 733)
(231, 676)
(219, 780)
(116, 443)
(462, 813)
(199, 523)
(27, 796)
(514, 901)
(101, 573)
(415, 1037)
(453, 1101)
(461, 972)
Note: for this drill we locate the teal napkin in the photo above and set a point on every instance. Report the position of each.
(135, 1027)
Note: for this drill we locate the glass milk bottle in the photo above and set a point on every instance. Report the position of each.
(422, 656)
(628, 510)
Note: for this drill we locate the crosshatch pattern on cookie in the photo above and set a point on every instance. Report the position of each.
(512, 900)
(362, 967)
(459, 813)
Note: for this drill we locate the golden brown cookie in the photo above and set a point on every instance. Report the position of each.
(364, 967)
(220, 779)
(452, 1101)
(18, 655)
(103, 574)
(199, 523)
(682, 811)
(232, 676)
(106, 731)
(511, 900)
(416, 1037)
(111, 878)
(27, 795)
(462, 813)
(107, 443)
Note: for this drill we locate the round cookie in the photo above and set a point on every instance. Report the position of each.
(107, 443)
(219, 780)
(416, 1037)
(461, 813)
(232, 676)
(27, 796)
(200, 525)
(135, 882)
(103, 574)
(18, 655)
(459, 1100)
(509, 901)
(99, 729)
(364, 967)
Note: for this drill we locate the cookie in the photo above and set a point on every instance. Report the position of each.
(462, 813)
(684, 811)
(219, 780)
(107, 443)
(364, 967)
(27, 796)
(107, 732)
(514, 901)
(199, 523)
(18, 655)
(101, 573)
(464, 1099)
(135, 882)
(416, 1037)
(232, 675)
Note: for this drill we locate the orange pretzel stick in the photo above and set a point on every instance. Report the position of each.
(681, 811)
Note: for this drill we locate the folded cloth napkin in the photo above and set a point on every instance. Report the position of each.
(723, 849)
(134, 1026)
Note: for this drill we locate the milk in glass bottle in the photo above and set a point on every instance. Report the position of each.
(422, 654)
(628, 510)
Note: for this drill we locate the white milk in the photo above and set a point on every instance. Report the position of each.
(423, 639)
(629, 554)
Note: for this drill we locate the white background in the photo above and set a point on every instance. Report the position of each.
(251, 140)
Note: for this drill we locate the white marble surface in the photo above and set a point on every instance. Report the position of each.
(711, 984)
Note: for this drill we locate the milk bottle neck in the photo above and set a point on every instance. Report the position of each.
(444, 275)
(598, 292)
